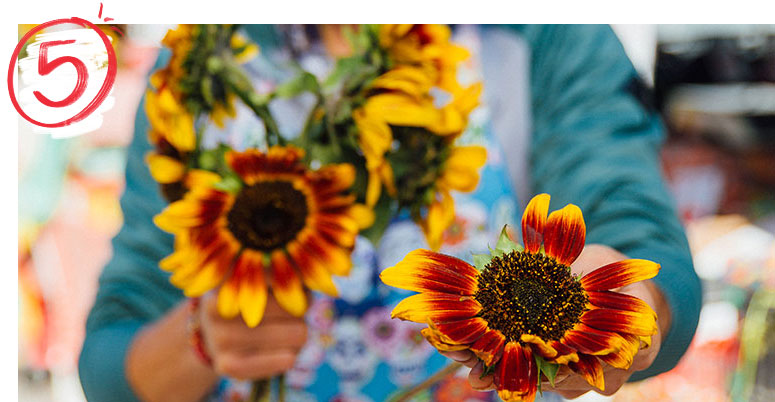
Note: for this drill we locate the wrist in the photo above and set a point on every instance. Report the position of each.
(661, 307)
(195, 334)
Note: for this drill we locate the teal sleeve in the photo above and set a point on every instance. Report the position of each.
(133, 291)
(596, 145)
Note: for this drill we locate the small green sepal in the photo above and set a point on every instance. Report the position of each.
(548, 369)
(480, 260)
(505, 244)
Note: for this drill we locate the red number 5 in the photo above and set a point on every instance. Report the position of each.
(45, 68)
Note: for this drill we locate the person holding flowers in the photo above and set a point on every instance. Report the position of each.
(292, 201)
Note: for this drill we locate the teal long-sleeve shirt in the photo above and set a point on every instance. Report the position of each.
(592, 143)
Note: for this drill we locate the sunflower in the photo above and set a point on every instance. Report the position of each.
(297, 224)
(401, 105)
(425, 46)
(524, 308)
(178, 94)
(460, 172)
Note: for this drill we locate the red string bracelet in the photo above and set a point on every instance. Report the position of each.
(195, 333)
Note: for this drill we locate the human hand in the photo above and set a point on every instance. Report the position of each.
(567, 383)
(240, 352)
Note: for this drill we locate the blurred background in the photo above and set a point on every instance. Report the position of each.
(713, 84)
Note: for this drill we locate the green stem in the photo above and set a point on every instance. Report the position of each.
(260, 391)
(440, 375)
(236, 79)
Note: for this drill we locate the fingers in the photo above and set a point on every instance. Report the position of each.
(267, 363)
(268, 336)
(476, 380)
(465, 357)
(570, 394)
(272, 311)
(242, 352)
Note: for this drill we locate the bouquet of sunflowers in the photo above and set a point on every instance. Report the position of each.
(286, 216)
(379, 140)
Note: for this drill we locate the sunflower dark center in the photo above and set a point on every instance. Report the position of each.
(267, 215)
(525, 293)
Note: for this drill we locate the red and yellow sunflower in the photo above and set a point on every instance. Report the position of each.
(172, 109)
(285, 226)
(525, 306)
(427, 47)
(401, 100)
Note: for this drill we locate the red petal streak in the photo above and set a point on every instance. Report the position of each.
(619, 301)
(489, 347)
(516, 378)
(423, 270)
(252, 292)
(432, 336)
(591, 341)
(565, 233)
(565, 354)
(621, 321)
(463, 331)
(533, 222)
(591, 369)
(619, 274)
(340, 229)
(439, 307)
(623, 358)
(286, 285)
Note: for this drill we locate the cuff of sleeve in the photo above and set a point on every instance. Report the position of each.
(102, 362)
(682, 290)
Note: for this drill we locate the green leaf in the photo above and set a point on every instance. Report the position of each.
(230, 184)
(548, 369)
(487, 370)
(505, 244)
(480, 260)
(304, 82)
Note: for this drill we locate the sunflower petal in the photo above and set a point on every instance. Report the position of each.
(195, 209)
(461, 332)
(517, 374)
(211, 273)
(201, 178)
(228, 302)
(313, 273)
(489, 348)
(534, 221)
(565, 233)
(373, 188)
(286, 285)
(340, 229)
(461, 169)
(334, 258)
(423, 270)
(625, 322)
(439, 307)
(619, 301)
(544, 348)
(252, 288)
(362, 215)
(165, 169)
(333, 178)
(565, 354)
(590, 368)
(434, 339)
(592, 341)
(441, 214)
(619, 274)
(623, 358)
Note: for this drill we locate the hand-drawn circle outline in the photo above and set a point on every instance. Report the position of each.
(98, 99)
